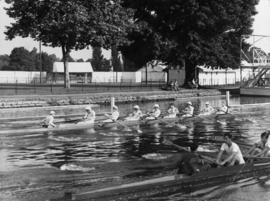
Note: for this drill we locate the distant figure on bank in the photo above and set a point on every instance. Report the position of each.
(234, 154)
(89, 116)
(135, 115)
(223, 109)
(175, 85)
(114, 116)
(154, 114)
(172, 111)
(188, 111)
(261, 148)
(48, 121)
(208, 109)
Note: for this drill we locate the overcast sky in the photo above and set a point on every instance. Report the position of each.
(260, 27)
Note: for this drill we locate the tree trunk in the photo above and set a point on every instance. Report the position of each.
(65, 52)
(190, 72)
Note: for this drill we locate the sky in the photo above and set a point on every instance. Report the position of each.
(260, 27)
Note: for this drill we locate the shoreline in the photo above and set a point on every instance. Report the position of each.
(37, 101)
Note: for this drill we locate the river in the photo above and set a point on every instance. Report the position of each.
(45, 166)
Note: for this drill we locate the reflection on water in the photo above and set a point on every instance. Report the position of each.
(49, 164)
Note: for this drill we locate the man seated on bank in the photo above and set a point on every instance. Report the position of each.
(89, 116)
(114, 116)
(172, 112)
(208, 109)
(223, 109)
(135, 115)
(234, 154)
(48, 121)
(188, 111)
(154, 114)
(261, 148)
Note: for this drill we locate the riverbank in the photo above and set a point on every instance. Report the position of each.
(23, 101)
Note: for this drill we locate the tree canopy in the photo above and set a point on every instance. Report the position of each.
(189, 32)
(70, 24)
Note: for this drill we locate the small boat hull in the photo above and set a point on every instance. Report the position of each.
(168, 184)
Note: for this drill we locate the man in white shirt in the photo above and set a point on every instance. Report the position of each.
(155, 113)
(89, 116)
(223, 109)
(172, 111)
(114, 116)
(234, 154)
(48, 121)
(135, 115)
(208, 109)
(188, 111)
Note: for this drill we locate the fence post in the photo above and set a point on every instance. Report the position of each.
(51, 87)
(35, 90)
(227, 98)
(112, 103)
(16, 87)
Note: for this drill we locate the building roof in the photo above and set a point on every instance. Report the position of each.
(74, 67)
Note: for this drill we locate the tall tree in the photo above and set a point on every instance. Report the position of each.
(70, 24)
(99, 63)
(191, 32)
(22, 60)
(4, 61)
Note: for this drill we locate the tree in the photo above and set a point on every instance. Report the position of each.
(22, 60)
(80, 60)
(190, 32)
(99, 63)
(4, 61)
(70, 24)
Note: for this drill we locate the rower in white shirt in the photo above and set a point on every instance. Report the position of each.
(223, 109)
(154, 114)
(207, 110)
(172, 112)
(89, 116)
(188, 111)
(48, 121)
(234, 154)
(135, 115)
(113, 116)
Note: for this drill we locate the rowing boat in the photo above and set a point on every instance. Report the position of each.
(80, 126)
(168, 185)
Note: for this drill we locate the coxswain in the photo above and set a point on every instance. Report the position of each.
(234, 154)
(188, 111)
(172, 112)
(154, 114)
(208, 109)
(223, 109)
(48, 121)
(113, 116)
(261, 148)
(89, 116)
(135, 115)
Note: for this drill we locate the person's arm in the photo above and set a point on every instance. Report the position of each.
(251, 150)
(229, 158)
(51, 123)
(219, 156)
(263, 152)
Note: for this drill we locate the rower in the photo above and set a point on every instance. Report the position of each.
(135, 115)
(234, 154)
(89, 116)
(114, 116)
(172, 111)
(223, 110)
(208, 109)
(261, 148)
(190, 162)
(48, 121)
(188, 111)
(154, 114)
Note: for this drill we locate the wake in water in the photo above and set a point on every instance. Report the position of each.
(74, 167)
